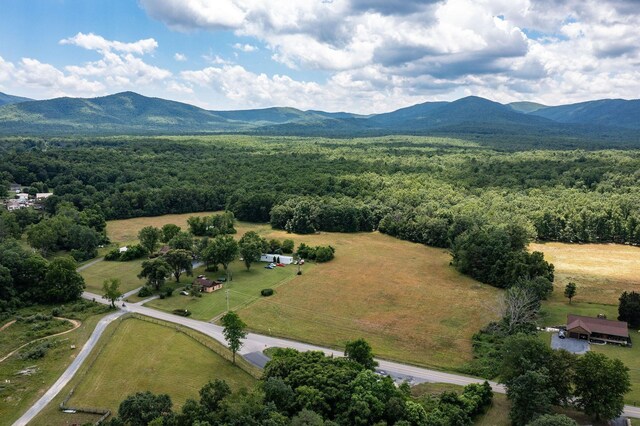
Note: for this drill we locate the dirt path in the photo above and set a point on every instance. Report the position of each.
(75, 323)
(7, 325)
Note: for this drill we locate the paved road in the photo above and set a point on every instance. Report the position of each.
(69, 372)
(257, 343)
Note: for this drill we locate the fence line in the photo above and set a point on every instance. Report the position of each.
(105, 413)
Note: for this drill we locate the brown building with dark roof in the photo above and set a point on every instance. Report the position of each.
(207, 285)
(587, 328)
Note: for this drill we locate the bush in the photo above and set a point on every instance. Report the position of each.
(134, 252)
(145, 292)
(266, 292)
(113, 255)
(287, 246)
(324, 254)
(38, 352)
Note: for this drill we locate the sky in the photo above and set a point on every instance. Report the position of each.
(362, 56)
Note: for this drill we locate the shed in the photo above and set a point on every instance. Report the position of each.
(43, 195)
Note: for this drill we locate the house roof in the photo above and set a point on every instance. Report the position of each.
(598, 325)
(204, 282)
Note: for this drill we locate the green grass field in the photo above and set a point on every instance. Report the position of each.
(18, 392)
(177, 365)
(126, 272)
(403, 297)
(244, 289)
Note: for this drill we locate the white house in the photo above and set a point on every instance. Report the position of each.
(123, 249)
(22, 196)
(43, 195)
(271, 258)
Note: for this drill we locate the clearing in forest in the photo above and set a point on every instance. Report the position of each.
(403, 297)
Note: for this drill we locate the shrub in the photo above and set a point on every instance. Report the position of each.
(113, 255)
(145, 292)
(37, 352)
(324, 254)
(134, 252)
(287, 246)
(266, 292)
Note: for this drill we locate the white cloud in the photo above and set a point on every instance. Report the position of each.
(547, 50)
(95, 42)
(180, 57)
(245, 47)
(35, 77)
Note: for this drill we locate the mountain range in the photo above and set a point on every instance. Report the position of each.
(131, 113)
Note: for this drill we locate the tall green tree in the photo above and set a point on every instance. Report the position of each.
(155, 271)
(234, 332)
(111, 290)
(142, 408)
(149, 237)
(570, 291)
(9, 227)
(600, 385)
(182, 240)
(360, 351)
(629, 308)
(169, 231)
(62, 283)
(251, 247)
(223, 250)
(530, 395)
(180, 261)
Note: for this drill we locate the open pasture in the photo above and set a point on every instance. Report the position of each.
(404, 298)
(601, 271)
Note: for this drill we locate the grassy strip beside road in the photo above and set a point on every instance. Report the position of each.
(19, 391)
(122, 364)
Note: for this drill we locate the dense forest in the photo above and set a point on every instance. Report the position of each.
(421, 189)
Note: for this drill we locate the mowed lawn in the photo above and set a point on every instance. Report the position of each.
(177, 365)
(243, 289)
(404, 298)
(127, 272)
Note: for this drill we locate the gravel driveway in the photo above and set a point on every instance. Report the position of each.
(575, 346)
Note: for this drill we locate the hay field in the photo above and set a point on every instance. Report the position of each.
(402, 297)
(126, 230)
(601, 271)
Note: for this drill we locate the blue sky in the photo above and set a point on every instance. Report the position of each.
(357, 55)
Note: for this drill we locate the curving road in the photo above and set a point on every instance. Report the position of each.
(252, 349)
(69, 372)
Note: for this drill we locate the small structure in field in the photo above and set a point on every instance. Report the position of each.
(123, 249)
(276, 258)
(599, 329)
(206, 285)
